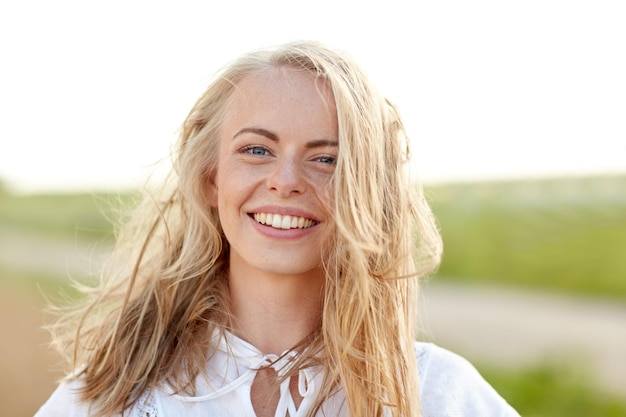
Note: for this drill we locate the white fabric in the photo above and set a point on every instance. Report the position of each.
(449, 387)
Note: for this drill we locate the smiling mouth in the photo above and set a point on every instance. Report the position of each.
(278, 221)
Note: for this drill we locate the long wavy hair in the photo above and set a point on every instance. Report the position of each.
(151, 319)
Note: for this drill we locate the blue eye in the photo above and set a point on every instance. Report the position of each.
(327, 160)
(256, 150)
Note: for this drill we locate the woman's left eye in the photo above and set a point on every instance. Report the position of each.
(326, 160)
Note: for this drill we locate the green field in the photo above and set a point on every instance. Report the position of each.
(85, 215)
(553, 389)
(566, 235)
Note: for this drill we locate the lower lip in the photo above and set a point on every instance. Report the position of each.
(275, 233)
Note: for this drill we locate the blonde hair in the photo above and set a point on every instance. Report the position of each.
(151, 319)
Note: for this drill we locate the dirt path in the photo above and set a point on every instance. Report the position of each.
(49, 255)
(506, 327)
(28, 367)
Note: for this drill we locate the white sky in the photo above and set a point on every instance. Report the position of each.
(92, 93)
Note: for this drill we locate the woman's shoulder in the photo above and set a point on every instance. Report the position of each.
(451, 386)
(64, 401)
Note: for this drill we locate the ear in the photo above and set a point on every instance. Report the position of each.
(211, 189)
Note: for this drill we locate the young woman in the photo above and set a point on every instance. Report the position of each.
(277, 273)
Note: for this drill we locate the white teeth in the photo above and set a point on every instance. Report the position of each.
(286, 223)
(278, 221)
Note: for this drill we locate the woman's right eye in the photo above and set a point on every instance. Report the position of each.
(256, 150)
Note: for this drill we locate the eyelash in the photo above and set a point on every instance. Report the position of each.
(250, 150)
(327, 160)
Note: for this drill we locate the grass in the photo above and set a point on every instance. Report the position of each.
(84, 215)
(554, 389)
(558, 235)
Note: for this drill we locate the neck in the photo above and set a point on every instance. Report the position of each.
(275, 312)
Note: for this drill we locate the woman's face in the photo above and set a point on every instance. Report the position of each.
(273, 185)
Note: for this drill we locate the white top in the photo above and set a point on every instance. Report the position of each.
(449, 387)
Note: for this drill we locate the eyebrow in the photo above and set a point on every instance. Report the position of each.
(274, 137)
(258, 131)
(318, 143)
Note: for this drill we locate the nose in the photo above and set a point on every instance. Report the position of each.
(287, 178)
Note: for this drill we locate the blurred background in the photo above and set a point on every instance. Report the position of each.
(516, 113)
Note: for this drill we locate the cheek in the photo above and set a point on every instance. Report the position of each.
(233, 186)
(219, 180)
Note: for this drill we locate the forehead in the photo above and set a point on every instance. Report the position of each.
(286, 86)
